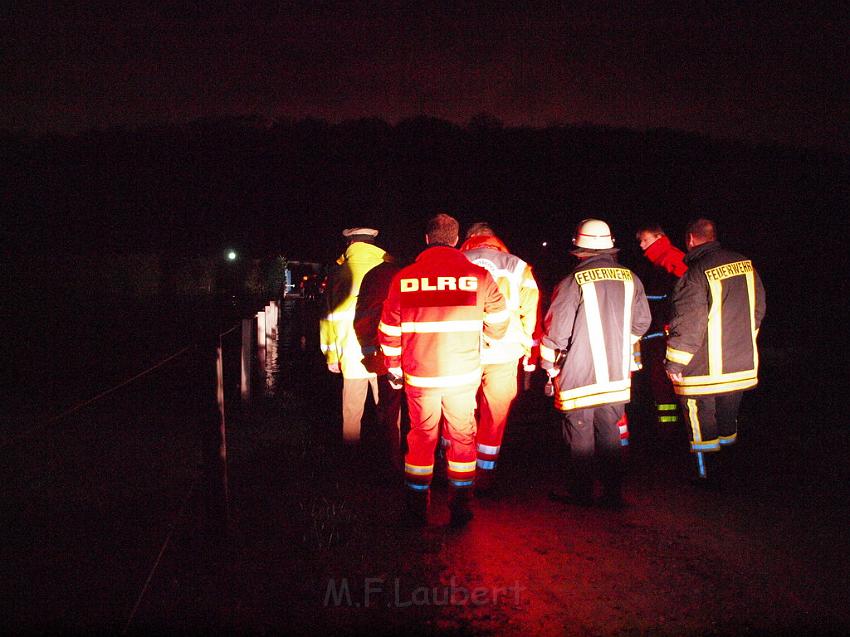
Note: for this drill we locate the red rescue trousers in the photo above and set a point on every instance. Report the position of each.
(495, 397)
(427, 406)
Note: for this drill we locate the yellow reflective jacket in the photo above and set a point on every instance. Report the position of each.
(337, 337)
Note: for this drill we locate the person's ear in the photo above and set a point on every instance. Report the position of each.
(427, 239)
(454, 243)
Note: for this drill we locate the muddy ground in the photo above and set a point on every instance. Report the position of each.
(313, 544)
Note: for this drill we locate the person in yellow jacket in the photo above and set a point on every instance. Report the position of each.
(337, 336)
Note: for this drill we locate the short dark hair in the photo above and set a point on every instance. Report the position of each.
(442, 228)
(480, 229)
(703, 229)
(652, 228)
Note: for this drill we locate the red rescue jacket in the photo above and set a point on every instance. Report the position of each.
(433, 318)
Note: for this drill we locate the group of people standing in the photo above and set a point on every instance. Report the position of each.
(452, 329)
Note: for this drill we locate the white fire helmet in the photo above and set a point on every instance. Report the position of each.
(593, 234)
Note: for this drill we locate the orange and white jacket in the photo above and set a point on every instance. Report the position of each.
(433, 318)
(516, 282)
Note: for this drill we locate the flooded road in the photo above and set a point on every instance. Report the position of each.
(314, 545)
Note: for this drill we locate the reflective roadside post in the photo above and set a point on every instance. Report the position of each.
(222, 437)
(247, 340)
(261, 338)
(269, 314)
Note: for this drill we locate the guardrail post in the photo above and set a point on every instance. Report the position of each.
(247, 339)
(269, 320)
(275, 315)
(261, 339)
(222, 433)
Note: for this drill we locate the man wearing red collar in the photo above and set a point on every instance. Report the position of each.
(670, 265)
(660, 251)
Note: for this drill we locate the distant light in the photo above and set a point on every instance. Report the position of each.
(545, 243)
(231, 255)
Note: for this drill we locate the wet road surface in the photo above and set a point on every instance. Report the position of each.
(314, 544)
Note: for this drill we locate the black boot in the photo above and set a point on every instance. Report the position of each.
(485, 483)
(612, 468)
(459, 506)
(728, 468)
(580, 481)
(706, 473)
(579, 491)
(612, 490)
(416, 504)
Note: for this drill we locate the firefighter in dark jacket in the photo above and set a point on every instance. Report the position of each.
(712, 356)
(597, 314)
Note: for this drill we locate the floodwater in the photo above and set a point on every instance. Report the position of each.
(115, 516)
(92, 487)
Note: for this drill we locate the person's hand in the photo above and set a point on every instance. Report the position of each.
(526, 366)
(676, 377)
(333, 368)
(395, 377)
(553, 371)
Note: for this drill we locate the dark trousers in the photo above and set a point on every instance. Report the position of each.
(389, 421)
(594, 438)
(712, 420)
(653, 353)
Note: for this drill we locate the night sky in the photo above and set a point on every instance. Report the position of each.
(768, 73)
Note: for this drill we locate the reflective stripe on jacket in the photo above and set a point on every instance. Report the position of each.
(718, 307)
(433, 318)
(517, 284)
(337, 337)
(597, 314)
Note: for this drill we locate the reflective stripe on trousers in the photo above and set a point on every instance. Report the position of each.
(455, 407)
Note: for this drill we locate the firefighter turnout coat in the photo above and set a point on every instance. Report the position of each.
(517, 284)
(597, 314)
(433, 318)
(337, 336)
(718, 307)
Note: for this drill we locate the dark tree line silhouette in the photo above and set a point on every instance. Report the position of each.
(289, 187)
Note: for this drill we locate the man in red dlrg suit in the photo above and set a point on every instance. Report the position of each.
(430, 335)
